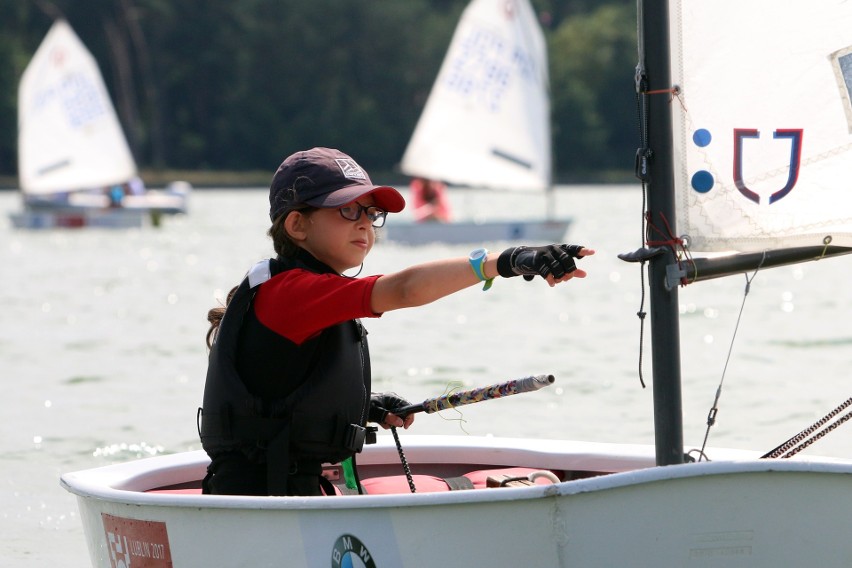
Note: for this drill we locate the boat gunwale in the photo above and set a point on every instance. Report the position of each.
(123, 483)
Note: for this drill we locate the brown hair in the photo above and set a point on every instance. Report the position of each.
(215, 315)
(285, 247)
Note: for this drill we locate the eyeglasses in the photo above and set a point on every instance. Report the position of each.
(352, 212)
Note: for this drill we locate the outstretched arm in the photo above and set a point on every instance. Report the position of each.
(427, 282)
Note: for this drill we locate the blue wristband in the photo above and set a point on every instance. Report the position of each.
(477, 260)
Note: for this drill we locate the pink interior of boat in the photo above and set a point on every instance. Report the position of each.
(393, 484)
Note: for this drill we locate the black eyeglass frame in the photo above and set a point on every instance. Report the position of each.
(376, 215)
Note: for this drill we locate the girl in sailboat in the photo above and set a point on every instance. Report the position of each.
(430, 200)
(288, 381)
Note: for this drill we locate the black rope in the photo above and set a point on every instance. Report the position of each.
(643, 153)
(403, 460)
(801, 437)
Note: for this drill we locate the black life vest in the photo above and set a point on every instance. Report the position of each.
(322, 420)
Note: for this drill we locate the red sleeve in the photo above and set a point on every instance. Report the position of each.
(298, 304)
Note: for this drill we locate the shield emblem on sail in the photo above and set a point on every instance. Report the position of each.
(795, 138)
(762, 162)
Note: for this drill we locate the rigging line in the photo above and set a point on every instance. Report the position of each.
(640, 36)
(818, 435)
(669, 239)
(674, 92)
(642, 155)
(825, 241)
(641, 313)
(714, 410)
(676, 244)
(672, 241)
(776, 452)
(700, 453)
(687, 258)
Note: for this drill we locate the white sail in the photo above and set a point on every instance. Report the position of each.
(763, 123)
(487, 120)
(69, 135)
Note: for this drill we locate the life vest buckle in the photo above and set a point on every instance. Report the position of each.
(354, 437)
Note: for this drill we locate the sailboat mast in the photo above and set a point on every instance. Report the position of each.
(665, 343)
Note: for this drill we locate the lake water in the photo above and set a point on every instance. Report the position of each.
(102, 346)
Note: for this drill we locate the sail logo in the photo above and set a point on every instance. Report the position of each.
(703, 181)
(792, 134)
(349, 552)
(58, 56)
(486, 67)
(350, 169)
(81, 100)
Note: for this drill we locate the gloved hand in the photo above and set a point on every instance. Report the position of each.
(556, 260)
(381, 404)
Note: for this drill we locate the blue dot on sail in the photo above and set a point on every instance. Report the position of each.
(702, 181)
(702, 137)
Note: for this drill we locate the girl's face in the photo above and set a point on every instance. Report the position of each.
(340, 243)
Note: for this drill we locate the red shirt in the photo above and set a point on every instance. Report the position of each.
(298, 304)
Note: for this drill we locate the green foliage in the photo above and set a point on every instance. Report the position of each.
(593, 96)
(238, 84)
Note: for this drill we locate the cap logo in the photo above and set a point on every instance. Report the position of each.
(350, 169)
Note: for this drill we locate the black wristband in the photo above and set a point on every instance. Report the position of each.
(504, 262)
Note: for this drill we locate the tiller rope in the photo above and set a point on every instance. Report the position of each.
(403, 460)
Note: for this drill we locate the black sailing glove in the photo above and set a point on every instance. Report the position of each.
(557, 260)
(383, 403)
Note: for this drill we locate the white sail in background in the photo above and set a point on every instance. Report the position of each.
(487, 120)
(69, 135)
(763, 123)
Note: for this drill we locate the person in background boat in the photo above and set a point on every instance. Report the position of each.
(288, 380)
(430, 200)
(115, 194)
(136, 186)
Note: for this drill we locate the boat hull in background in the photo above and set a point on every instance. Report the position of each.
(78, 218)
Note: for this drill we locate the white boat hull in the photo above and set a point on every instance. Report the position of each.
(66, 218)
(157, 202)
(738, 513)
(530, 232)
(88, 209)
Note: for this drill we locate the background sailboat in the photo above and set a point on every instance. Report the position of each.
(614, 505)
(75, 167)
(486, 123)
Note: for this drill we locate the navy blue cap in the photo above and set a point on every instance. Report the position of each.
(325, 177)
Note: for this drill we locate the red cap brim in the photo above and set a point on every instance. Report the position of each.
(385, 196)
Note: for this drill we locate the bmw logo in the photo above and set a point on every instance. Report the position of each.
(349, 552)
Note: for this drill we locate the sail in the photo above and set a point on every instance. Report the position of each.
(69, 136)
(762, 123)
(487, 120)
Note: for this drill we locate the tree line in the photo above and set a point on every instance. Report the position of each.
(238, 84)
